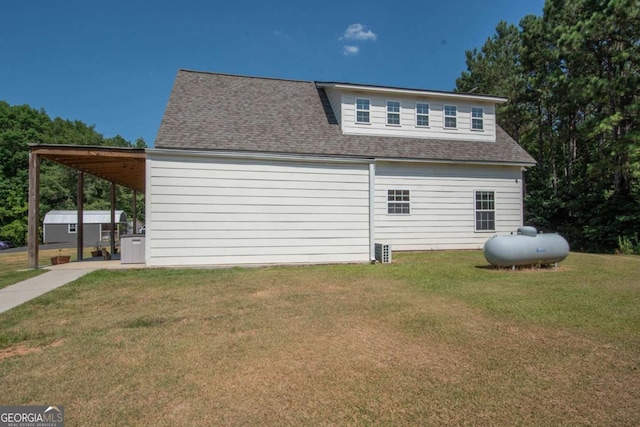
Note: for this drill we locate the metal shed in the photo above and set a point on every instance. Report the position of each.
(62, 226)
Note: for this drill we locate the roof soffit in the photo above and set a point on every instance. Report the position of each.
(123, 166)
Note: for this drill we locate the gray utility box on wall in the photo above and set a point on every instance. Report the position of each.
(132, 249)
(383, 253)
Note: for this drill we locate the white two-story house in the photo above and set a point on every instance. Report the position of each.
(249, 170)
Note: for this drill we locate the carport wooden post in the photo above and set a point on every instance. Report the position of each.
(34, 208)
(80, 225)
(133, 211)
(113, 217)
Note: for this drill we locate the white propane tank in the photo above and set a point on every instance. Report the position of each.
(525, 248)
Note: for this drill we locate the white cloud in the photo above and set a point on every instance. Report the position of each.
(359, 32)
(350, 50)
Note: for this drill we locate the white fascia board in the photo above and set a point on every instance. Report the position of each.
(454, 162)
(259, 156)
(321, 158)
(414, 92)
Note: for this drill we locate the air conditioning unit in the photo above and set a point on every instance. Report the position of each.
(383, 253)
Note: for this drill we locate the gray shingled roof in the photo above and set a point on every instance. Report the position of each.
(209, 111)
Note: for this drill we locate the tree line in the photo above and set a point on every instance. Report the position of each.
(21, 125)
(572, 77)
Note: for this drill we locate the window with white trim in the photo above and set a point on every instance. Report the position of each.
(477, 118)
(393, 113)
(450, 116)
(363, 110)
(398, 202)
(485, 208)
(72, 228)
(422, 114)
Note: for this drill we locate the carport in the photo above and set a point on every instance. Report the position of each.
(119, 165)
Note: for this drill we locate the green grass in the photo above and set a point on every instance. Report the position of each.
(12, 277)
(13, 266)
(434, 339)
(599, 293)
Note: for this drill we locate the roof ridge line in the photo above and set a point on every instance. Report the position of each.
(245, 76)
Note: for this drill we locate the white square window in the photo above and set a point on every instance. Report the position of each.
(485, 208)
(363, 110)
(398, 202)
(422, 114)
(393, 113)
(450, 116)
(72, 228)
(477, 118)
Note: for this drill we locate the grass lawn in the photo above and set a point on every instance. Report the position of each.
(434, 339)
(13, 266)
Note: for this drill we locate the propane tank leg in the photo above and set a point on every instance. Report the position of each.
(513, 267)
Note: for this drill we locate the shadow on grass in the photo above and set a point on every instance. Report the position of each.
(522, 268)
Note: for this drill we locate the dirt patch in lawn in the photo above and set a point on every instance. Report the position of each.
(23, 350)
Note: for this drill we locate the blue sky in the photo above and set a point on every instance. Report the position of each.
(112, 63)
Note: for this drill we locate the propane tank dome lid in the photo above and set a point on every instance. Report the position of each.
(528, 230)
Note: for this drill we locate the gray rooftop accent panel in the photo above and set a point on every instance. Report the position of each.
(88, 217)
(210, 111)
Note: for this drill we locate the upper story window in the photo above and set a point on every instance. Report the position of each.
(422, 114)
(485, 210)
(363, 110)
(393, 113)
(398, 202)
(450, 116)
(477, 118)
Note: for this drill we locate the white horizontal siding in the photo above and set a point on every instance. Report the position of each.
(220, 211)
(256, 218)
(212, 199)
(275, 227)
(408, 127)
(252, 259)
(217, 191)
(262, 209)
(242, 234)
(247, 169)
(442, 204)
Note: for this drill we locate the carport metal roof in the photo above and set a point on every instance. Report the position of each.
(122, 165)
(88, 217)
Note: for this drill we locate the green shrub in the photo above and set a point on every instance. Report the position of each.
(629, 245)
